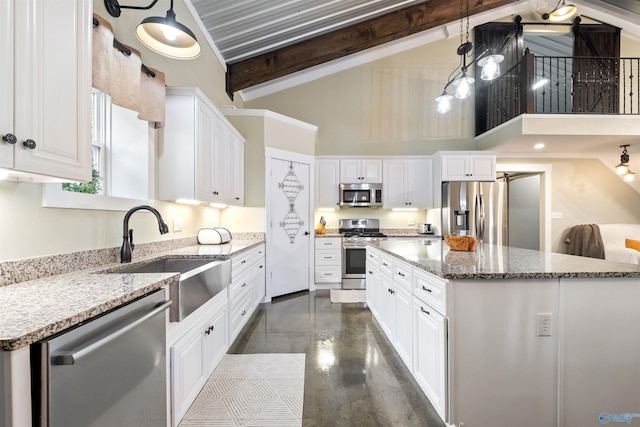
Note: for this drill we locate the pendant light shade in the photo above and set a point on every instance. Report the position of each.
(622, 168)
(168, 37)
(490, 66)
(443, 103)
(165, 36)
(562, 12)
(463, 86)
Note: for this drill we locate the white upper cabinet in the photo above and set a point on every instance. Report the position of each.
(327, 184)
(201, 156)
(360, 170)
(45, 82)
(408, 183)
(468, 167)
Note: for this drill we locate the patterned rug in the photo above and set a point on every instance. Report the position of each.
(251, 390)
(348, 296)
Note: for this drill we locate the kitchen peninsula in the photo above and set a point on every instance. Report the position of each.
(507, 336)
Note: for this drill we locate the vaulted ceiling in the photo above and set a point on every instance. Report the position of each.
(263, 40)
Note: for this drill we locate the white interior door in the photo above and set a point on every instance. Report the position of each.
(288, 223)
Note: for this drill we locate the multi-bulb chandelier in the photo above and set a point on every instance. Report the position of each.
(623, 167)
(458, 78)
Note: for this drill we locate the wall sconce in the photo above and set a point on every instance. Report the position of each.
(623, 167)
(165, 36)
(459, 79)
(561, 12)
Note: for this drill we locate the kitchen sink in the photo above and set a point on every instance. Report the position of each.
(200, 280)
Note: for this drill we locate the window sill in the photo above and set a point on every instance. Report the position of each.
(53, 196)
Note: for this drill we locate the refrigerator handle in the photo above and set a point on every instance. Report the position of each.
(480, 217)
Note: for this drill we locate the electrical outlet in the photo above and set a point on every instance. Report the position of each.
(177, 225)
(412, 221)
(544, 324)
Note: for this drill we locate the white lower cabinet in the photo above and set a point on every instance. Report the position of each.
(328, 260)
(429, 357)
(194, 357)
(410, 304)
(247, 287)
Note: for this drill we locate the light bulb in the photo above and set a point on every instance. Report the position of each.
(170, 33)
(463, 86)
(628, 177)
(443, 103)
(622, 169)
(490, 67)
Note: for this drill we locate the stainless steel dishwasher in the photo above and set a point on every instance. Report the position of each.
(107, 372)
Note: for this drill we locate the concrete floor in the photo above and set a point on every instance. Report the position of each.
(353, 376)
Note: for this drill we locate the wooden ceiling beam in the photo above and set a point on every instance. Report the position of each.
(337, 44)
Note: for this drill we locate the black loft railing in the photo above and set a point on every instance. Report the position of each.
(564, 85)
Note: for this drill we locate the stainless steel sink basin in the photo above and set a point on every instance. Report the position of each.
(200, 280)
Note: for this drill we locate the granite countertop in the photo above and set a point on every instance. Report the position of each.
(36, 309)
(500, 262)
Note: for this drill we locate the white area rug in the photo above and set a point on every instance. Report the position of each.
(348, 295)
(251, 390)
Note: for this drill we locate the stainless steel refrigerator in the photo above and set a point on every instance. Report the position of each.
(478, 209)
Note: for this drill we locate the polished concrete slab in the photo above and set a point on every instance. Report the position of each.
(353, 377)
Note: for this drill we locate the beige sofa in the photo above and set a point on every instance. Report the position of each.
(613, 238)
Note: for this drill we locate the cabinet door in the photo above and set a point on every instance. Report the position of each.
(350, 171)
(429, 357)
(218, 169)
(394, 189)
(404, 330)
(205, 140)
(419, 179)
(454, 167)
(387, 309)
(6, 81)
(259, 278)
(216, 340)
(188, 372)
(372, 290)
(371, 170)
(52, 87)
(235, 186)
(482, 167)
(327, 183)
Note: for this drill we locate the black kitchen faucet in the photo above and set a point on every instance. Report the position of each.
(127, 234)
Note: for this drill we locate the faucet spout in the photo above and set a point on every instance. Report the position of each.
(127, 234)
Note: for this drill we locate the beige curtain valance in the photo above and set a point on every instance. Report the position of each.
(118, 70)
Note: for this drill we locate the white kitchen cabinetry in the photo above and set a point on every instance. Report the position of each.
(246, 289)
(403, 338)
(429, 362)
(360, 170)
(201, 156)
(45, 82)
(327, 184)
(328, 260)
(468, 167)
(374, 280)
(408, 183)
(194, 357)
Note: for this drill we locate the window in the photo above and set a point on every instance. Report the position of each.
(121, 157)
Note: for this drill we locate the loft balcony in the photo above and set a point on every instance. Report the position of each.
(572, 104)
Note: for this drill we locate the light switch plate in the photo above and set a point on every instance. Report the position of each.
(177, 225)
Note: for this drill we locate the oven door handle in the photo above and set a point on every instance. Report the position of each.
(73, 355)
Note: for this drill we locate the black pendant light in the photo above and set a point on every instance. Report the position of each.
(163, 35)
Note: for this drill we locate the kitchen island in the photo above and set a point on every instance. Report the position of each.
(506, 336)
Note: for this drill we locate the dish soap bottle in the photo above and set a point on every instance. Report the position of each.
(321, 229)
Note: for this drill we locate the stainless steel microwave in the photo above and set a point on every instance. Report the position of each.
(361, 195)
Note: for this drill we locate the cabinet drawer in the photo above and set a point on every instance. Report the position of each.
(240, 263)
(239, 315)
(430, 289)
(328, 243)
(258, 254)
(402, 274)
(373, 257)
(328, 257)
(328, 275)
(386, 266)
(239, 288)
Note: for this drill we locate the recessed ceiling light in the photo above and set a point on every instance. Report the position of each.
(539, 146)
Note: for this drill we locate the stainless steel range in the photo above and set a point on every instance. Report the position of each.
(355, 234)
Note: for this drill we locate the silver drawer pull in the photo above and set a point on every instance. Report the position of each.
(328, 257)
(424, 311)
(426, 289)
(329, 243)
(328, 274)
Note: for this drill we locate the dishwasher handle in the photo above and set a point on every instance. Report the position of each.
(73, 355)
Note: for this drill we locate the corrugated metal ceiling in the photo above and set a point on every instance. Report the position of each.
(245, 28)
